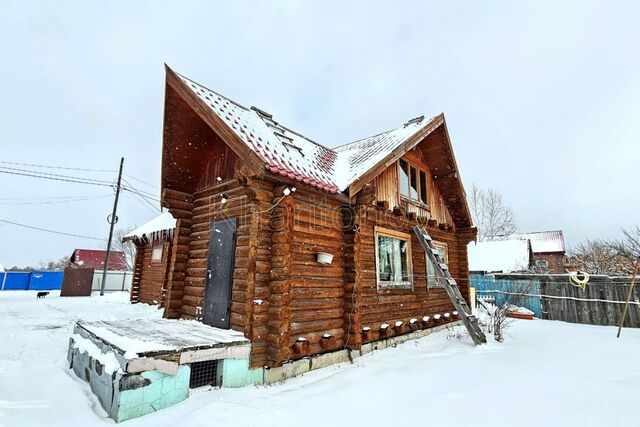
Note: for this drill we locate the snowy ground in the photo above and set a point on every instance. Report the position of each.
(545, 374)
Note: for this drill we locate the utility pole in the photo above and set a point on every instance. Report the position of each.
(112, 219)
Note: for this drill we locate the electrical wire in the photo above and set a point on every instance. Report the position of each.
(56, 175)
(51, 202)
(49, 231)
(136, 191)
(142, 201)
(141, 181)
(57, 167)
(77, 181)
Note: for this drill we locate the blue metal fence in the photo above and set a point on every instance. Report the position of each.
(501, 289)
(45, 280)
(31, 280)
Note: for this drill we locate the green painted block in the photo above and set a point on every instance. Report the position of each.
(161, 392)
(236, 373)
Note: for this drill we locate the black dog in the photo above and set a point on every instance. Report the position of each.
(42, 294)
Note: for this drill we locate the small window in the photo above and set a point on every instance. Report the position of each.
(156, 254)
(423, 188)
(393, 255)
(432, 279)
(414, 184)
(404, 178)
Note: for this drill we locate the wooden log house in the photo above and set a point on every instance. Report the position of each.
(152, 241)
(257, 205)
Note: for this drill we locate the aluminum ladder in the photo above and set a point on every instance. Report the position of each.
(442, 273)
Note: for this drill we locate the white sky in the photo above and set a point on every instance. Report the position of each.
(542, 99)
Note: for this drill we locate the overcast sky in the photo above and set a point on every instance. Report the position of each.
(542, 99)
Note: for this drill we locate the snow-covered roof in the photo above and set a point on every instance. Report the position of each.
(160, 226)
(290, 154)
(283, 151)
(499, 255)
(544, 241)
(358, 157)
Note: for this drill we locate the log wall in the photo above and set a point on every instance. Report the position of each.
(318, 291)
(180, 204)
(283, 300)
(378, 306)
(149, 285)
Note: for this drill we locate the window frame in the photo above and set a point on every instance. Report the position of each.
(153, 249)
(385, 285)
(418, 200)
(432, 284)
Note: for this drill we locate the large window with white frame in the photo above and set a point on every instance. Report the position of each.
(439, 248)
(393, 259)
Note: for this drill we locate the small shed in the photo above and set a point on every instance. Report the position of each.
(153, 252)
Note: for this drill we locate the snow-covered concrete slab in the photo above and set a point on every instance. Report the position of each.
(153, 337)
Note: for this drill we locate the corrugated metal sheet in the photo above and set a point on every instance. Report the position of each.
(92, 258)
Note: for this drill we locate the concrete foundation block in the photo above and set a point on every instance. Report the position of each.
(366, 349)
(327, 359)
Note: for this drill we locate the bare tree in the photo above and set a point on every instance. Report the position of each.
(628, 246)
(612, 257)
(490, 214)
(61, 264)
(497, 313)
(128, 248)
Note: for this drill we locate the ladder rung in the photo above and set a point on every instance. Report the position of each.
(444, 266)
(452, 282)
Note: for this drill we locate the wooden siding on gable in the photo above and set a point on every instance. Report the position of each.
(387, 189)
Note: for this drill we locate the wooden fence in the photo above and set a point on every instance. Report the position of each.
(600, 303)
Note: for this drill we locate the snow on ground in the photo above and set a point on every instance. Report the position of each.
(544, 374)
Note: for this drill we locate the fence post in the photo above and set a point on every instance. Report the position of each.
(626, 304)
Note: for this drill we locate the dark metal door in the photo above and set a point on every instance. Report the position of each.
(222, 254)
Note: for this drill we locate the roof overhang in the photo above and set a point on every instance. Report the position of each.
(441, 161)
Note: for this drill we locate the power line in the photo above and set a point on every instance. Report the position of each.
(141, 192)
(140, 180)
(140, 195)
(57, 167)
(50, 231)
(52, 202)
(56, 175)
(77, 181)
(50, 197)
